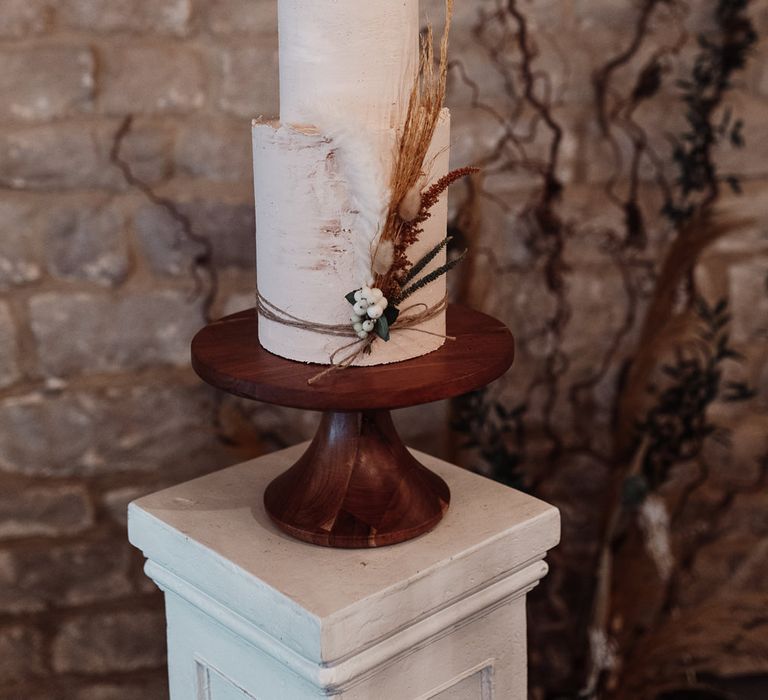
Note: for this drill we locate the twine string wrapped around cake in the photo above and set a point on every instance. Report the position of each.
(405, 322)
(409, 319)
(271, 312)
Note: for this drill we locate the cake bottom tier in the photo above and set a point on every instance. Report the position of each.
(308, 258)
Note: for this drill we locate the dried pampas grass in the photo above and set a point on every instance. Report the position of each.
(369, 196)
(426, 102)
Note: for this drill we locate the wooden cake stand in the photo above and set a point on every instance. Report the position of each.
(357, 485)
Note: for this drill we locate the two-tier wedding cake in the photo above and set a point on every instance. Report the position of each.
(350, 203)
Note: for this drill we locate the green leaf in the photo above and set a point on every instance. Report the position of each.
(734, 183)
(382, 328)
(391, 313)
(428, 258)
(634, 491)
(351, 297)
(428, 279)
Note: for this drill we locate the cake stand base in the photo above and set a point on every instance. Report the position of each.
(357, 486)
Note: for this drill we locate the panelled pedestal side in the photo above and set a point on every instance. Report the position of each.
(255, 614)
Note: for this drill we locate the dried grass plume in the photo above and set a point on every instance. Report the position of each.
(424, 107)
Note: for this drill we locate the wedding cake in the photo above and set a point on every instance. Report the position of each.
(351, 209)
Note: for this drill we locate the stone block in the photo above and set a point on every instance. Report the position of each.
(617, 16)
(474, 132)
(750, 206)
(750, 162)
(229, 226)
(9, 367)
(19, 254)
(726, 559)
(55, 157)
(21, 18)
(761, 71)
(87, 244)
(528, 307)
(71, 155)
(239, 301)
(116, 501)
(162, 241)
(425, 428)
(98, 333)
(464, 15)
(149, 690)
(260, 428)
(42, 577)
(21, 654)
(216, 151)
(45, 82)
(152, 80)
(598, 305)
(750, 515)
(125, 641)
(132, 429)
(254, 66)
(44, 510)
(737, 465)
(240, 16)
(749, 300)
(136, 16)
(148, 149)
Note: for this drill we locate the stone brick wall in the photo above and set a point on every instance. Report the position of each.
(98, 300)
(97, 308)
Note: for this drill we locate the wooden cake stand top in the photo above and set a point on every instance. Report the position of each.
(357, 485)
(227, 355)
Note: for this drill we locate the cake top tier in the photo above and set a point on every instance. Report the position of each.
(350, 60)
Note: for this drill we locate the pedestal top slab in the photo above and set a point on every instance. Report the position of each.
(212, 538)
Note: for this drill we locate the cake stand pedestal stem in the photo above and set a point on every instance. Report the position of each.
(357, 485)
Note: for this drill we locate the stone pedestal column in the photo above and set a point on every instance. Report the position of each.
(255, 614)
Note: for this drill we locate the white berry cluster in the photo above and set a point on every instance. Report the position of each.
(369, 306)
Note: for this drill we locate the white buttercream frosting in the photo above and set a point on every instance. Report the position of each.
(307, 245)
(353, 59)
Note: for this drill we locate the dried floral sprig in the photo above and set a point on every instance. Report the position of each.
(428, 258)
(409, 206)
(432, 194)
(411, 230)
(431, 277)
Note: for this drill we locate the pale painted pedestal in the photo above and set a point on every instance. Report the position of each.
(254, 614)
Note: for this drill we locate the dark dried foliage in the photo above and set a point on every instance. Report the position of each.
(673, 373)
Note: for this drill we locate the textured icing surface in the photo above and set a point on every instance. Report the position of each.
(321, 176)
(306, 245)
(347, 59)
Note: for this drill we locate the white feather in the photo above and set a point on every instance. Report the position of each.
(383, 258)
(411, 204)
(363, 172)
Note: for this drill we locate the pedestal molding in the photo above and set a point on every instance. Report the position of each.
(210, 520)
(270, 617)
(432, 613)
(340, 674)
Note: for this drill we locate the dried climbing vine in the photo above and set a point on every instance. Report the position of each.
(201, 268)
(666, 203)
